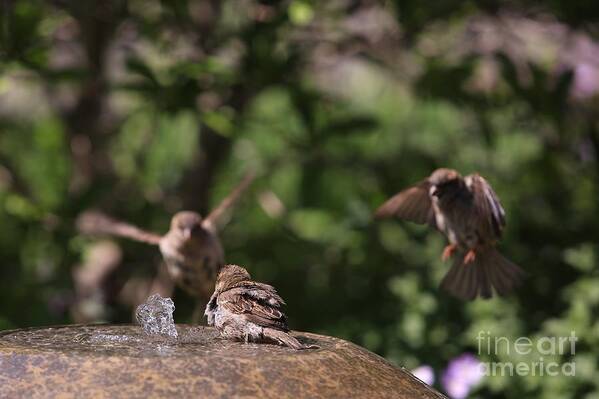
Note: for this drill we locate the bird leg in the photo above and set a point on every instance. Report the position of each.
(448, 251)
(470, 256)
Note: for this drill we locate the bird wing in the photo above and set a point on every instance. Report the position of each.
(263, 292)
(413, 204)
(210, 310)
(257, 310)
(94, 222)
(488, 208)
(214, 218)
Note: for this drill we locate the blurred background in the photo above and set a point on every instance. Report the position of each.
(142, 108)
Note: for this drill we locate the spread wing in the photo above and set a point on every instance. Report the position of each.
(256, 305)
(214, 220)
(413, 204)
(95, 222)
(487, 205)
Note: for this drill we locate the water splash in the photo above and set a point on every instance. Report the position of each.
(156, 317)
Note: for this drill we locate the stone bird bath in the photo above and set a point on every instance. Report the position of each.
(119, 361)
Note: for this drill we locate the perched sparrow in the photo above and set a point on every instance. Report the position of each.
(244, 310)
(191, 248)
(467, 211)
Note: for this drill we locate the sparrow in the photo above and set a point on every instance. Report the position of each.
(245, 310)
(191, 248)
(468, 212)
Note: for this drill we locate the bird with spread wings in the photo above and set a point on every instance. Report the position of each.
(468, 212)
(191, 248)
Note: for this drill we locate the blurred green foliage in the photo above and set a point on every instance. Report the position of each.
(142, 108)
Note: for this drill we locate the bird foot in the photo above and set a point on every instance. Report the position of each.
(448, 251)
(470, 256)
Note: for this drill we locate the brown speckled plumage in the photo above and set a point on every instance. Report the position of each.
(245, 310)
(193, 254)
(468, 212)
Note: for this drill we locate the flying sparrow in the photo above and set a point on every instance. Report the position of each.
(191, 248)
(244, 310)
(468, 212)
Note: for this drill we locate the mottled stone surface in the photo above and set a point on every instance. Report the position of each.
(105, 361)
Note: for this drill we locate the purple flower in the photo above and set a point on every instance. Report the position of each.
(425, 373)
(462, 373)
(586, 81)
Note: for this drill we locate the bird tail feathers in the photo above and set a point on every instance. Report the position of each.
(487, 272)
(285, 339)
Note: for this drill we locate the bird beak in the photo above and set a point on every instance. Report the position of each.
(434, 191)
(187, 234)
